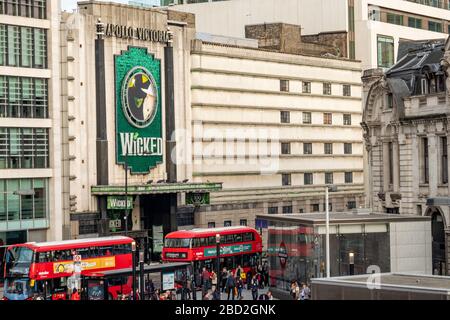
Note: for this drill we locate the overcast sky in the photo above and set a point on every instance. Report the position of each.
(69, 5)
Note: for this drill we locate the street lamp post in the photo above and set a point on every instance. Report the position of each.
(327, 213)
(133, 267)
(327, 232)
(218, 262)
(126, 193)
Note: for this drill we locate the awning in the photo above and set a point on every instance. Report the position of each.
(157, 188)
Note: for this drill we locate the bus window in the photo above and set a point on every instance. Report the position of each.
(202, 242)
(211, 241)
(238, 237)
(84, 253)
(229, 238)
(248, 236)
(44, 256)
(93, 252)
(195, 243)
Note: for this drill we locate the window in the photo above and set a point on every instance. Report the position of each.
(444, 160)
(306, 87)
(328, 148)
(351, 204)
(25, 8)
(307, 148)
(23, 46)
(415, 22)
(284, 85)
(347, 148)
(286, 179)
(307, 117)
(328, 177)
(425, 165)
(285, 148)
(435, 26)
(349, 177)
(327, 118)
(389, 101)
(285, 116)
(242, 222)
(394, 18)
(347, 119)
(330, 207)
(385, 48)
(87, 227)
(347, 90)
(227, 223)
(287, 209)
(272, 210)
(23, 199)
(327, 88)
(25, 148)
(315, 207)
(391, 163)
(211, 224)
(308, 178)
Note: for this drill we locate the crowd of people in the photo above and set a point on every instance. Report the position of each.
(300, 292)
(233, 283)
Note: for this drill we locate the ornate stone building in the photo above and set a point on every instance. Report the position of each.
(406, 127)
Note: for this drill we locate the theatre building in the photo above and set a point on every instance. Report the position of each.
(125, 88)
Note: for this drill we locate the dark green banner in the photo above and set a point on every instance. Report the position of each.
(197, 198)
(138, 110)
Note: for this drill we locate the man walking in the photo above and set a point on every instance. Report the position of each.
(231, 284)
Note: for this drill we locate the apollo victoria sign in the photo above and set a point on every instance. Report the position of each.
(144, 34)
(138, 110)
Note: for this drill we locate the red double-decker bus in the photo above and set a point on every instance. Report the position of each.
(44, 268)
(238, 246)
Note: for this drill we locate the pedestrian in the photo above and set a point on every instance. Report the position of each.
(231, 284)
(266, 273)
(213, 279)
(206, 278)
(266, 296)
(223, 279)
(216, 294)
(295, 290)
(240, 286)
(306, 292)
(75, 295)
(254, 287)
(238, 271)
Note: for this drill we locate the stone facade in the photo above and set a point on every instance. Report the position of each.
(406, 130)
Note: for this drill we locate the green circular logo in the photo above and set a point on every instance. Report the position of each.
(139, 97)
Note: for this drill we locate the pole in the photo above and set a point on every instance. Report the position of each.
(218, 262)
(328, 232)
(133, 268)
(141, 276)
(126, 193)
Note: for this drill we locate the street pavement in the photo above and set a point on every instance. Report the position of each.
(246, 294)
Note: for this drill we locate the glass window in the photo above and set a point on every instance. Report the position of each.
(248, 236)
(394, 18)
(286, 179)
(328, 177)
(285, 148)
(272, 210)
(13, 46)
(347, 148)
(242, 222)
(3, 45)
(308, 178)
(327, 118)
(315, 207)
(385, 48)
(327, 88)
(425, 164)
(287, 209)
(306, 87)
(26, 200)
(211, 224)
(227, 223)
(3, 200)
(285, 116)
(415, 22)
(24, 8)
(27, 46)
(284, 85)
(40, 198)
(351, 204)
(40, 48)
(307, 148)
(444, 160)
(349, 177)
(13, 199)
(347, 119)
(347, 90)
(307, 117)
(328, 148)
(435, 26)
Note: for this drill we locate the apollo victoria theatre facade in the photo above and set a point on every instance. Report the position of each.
(124, 175)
